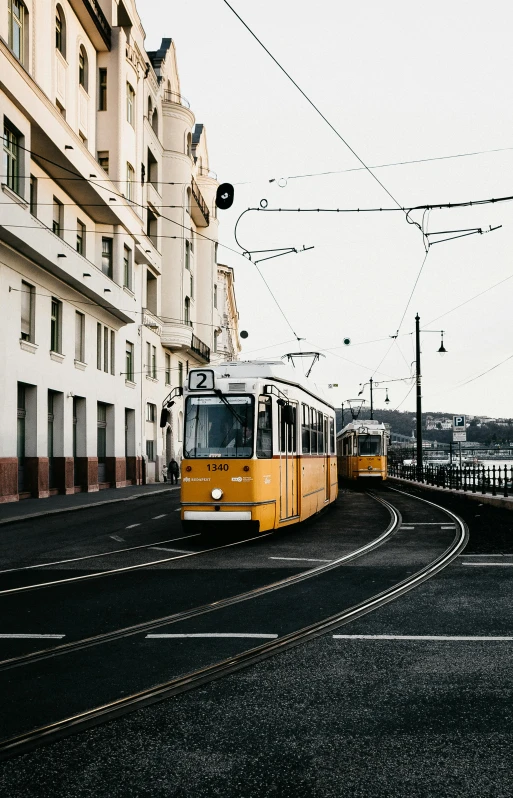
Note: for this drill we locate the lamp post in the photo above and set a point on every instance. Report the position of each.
(442, 350)
(373, 386)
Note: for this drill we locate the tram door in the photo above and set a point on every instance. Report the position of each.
(287, 420)
(327, 469)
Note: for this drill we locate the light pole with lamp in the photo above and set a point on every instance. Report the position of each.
(373, 387)
(442, 351)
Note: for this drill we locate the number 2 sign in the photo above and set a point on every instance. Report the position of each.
(201, 380)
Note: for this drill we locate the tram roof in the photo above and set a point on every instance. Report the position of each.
(370, 425)
(268, 369)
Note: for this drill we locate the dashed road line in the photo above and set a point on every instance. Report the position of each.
(132, 526)
(118, 538)
(216, 634)
(156, 517)
(299, 559)
(175, 551)
(449, 638)
(32, 637)
(489, 564)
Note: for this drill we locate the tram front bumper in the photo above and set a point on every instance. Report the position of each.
(225, 515)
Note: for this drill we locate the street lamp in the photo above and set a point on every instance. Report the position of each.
(373, 387)
(442, 350)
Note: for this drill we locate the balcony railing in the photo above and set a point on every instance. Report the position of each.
(200, 349)
(174, 97)
(92, 8)
(199, 210)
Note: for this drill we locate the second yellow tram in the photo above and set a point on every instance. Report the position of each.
(362, 451)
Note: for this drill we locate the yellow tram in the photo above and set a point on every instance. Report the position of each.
(259, 447)
(362, 451)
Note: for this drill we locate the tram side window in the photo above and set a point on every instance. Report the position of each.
(320, 433)
(305, 429)
(288, 430)
(313, 429)
(264, 427)
(347, 445)
(332, 436)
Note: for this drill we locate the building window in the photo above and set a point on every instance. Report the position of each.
(99, 346)
(112, 351)
(103, 160)
(33, 195)
(106, 349)
(56, 326)
(151, 227)
(187, 310)
(154, 362)
(11, 159)
(60, 31)
(83, 68)
(153, 170)
(192, 287)
(58, 210)
(187, 255)
(79, 337)
(130, 104)
(130, 182)
(215, 340)
(16, 34)
(151, 412)
(81, 231)
(180, 374)
(167, 371)
(27, 312)
(129, 362)
(102, 89)
(127, 267)
(150, 450)
(107, 256)
(215, 295)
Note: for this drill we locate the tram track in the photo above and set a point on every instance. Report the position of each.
(172, 687)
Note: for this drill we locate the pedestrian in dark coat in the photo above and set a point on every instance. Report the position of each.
(174, 471)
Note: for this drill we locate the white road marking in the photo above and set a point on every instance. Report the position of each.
(486, 555)
(178, 509)
(31, 637)
(490, 564)
(116, 537)
(407, 527)
(300, 559)
(448, 526)
(218, 634)
(418, 637)
(156, 517)
(132, 526)
(176, 551)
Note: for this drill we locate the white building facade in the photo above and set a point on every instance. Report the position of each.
(108, 236)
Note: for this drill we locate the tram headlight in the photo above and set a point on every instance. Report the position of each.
(369, 468)
(217, 493)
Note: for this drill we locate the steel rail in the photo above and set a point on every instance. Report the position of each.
(51, 732)
(156, 623)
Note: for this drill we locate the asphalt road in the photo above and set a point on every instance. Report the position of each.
(357, 715)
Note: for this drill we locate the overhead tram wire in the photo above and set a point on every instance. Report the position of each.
(318, 111)
(167, 218)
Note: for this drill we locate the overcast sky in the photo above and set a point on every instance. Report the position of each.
(400, 81)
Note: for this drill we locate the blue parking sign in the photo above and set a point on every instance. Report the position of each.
(458, 422)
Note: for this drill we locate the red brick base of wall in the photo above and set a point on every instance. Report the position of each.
(69, 476)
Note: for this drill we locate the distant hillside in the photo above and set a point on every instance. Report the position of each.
(404, 422)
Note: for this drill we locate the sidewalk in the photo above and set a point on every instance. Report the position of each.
(35, 508)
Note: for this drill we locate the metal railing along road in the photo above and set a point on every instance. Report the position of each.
(497, 480)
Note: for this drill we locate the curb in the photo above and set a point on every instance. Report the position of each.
(15, 518)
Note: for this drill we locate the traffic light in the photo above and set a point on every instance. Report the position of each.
(224, 196)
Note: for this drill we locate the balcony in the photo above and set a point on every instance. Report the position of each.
(199, 210)
(90, 11)
(180, 337)
(174, 97)
(151, 321)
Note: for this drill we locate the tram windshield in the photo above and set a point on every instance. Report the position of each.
(216, 427)
(369, 445)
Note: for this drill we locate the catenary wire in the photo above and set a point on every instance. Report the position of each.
(318, 111)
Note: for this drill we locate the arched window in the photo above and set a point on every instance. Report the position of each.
(150, 109)
(189, 145)
(187, 310)
(83, 68)
(17, 14)
(188, 205)
(155, 122)
(60, 31)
